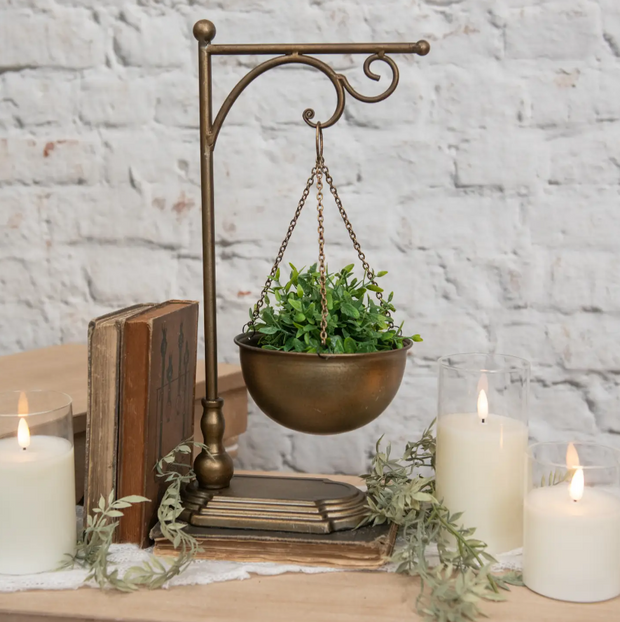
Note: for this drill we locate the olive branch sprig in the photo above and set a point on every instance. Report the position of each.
(93, 547)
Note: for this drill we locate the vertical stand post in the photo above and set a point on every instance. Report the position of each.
(214, 470)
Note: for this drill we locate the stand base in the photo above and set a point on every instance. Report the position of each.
(272, 503)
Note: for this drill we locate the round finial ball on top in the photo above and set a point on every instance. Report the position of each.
(423, 47)
(204, 31)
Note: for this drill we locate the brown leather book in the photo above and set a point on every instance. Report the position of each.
(102, 409)
(367, 547)
(157, 404)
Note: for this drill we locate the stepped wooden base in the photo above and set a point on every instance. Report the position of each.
(272, 503)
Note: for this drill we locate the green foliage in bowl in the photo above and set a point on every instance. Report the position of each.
(355, 323)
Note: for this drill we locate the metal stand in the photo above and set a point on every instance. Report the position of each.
(280, 503)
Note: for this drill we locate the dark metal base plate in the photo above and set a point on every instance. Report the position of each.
(274, 503)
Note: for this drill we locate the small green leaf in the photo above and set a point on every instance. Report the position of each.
(349, 346)
(268, 330)
(296, 304)
(350, 310)
(134, 499)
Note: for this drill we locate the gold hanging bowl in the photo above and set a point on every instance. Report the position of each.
(321, 394)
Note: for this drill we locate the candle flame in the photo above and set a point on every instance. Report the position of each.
(23, 433)
(483, 405)
(576, 485)
(22, 404)
(572, 457)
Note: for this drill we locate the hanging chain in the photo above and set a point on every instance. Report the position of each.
(321, 230)
(370, 275)
(289, 233)
(320, 170)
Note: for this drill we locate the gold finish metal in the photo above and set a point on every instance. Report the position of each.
(283, 246)
(321, 230)
(215, 473)
(296, 504)
(216, 470)
(326, 394)
(421, 48)
(370, 275)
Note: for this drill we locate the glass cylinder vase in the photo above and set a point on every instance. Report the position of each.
(37, 481)
(571, 544)
(482, 439)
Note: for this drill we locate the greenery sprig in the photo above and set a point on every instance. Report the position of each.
(93, 548)
(355, 323)
(403, 492)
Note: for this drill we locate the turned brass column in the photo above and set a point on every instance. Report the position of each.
(216, 470)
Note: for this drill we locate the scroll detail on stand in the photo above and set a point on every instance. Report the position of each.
(247, 501)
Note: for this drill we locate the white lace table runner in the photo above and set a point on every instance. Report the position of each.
(200, 572)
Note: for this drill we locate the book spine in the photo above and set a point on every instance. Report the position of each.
(87, 467)
(135, 376)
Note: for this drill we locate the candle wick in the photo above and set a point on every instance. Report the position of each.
(23, 449)
(483, 420)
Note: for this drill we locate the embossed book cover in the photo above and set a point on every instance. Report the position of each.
(157, 404)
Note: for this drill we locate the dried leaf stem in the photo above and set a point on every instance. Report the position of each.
(93, 548)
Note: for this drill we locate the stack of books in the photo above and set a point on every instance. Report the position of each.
(141, 378)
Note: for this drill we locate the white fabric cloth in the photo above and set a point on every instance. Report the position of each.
(126, 555)
(200, 572)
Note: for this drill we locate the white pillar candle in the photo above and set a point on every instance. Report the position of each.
(571, 549)
(480, 471)
(37, 504)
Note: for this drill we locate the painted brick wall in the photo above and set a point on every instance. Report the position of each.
(487, 185)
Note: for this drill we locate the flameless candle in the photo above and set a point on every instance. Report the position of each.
(481, 455)
(37, 484)
(571, 548)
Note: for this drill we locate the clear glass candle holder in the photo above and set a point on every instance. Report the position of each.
(482, 440)
(571, 546)
(37, 481)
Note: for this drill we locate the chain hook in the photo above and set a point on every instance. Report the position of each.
(319, 142)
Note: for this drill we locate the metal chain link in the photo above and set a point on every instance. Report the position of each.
(356, 245)
(321, 230)
(318, 171)
(283, 246)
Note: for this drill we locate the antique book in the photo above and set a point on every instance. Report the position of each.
(158, 364)
(367, 547)
(102, 407)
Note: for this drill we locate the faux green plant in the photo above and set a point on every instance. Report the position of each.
(402, 491)
(355, 322)
(93, 547)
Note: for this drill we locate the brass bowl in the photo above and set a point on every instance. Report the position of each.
(326, 394)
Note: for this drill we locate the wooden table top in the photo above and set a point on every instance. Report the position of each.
(331, 597)
(338, 597)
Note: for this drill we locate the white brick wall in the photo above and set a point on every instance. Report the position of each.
(488, 185)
